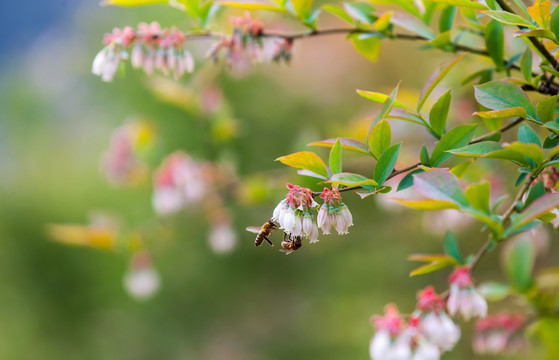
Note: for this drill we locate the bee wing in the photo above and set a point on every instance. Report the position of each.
(287, 252)
(253, 229)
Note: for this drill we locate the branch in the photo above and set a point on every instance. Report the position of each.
(492, 133)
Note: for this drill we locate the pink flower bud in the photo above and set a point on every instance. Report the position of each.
(137, 56)
(307, 224)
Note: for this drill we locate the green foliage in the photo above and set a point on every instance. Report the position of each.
(386, 163)
(451, 247)
(439, 113)
(335, 160)
(380, 138)
(495, 43)
(435, 79)
(519, 262)
(455, 138)
(501, 95)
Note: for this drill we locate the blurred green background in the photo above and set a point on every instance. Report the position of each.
(56, 118)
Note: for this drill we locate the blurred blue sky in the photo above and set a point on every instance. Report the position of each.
(23, 21)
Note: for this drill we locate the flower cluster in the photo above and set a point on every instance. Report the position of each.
(549, 177)
(428, 332)
(398, 339)
(149, 47)
(246, 45)
(180, 181)
(499, 334)
(334, 213)
(464, 299)
(295, 213)
(123, 163)
(435, 323)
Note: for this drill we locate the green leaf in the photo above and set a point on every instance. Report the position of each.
(305, 160)
(536, 209)
(407, 181)
(547, 329)
(439, 113)
(434, 266)
(552, 126)
(453, 139)
(302, 8)
(442, 41)
(335, 159)
(494, 291)
(350, 179)
(554, 22)
(462, 4)
(509, 18)
(378, 97)
(519, 262)
(546, 109)
(517, 152)
(435, 79)
(460, 170)
(386, 163)
(367, 45)
(383, 22)
(347, 144)
(407, 5)
(339, 12)
(360, 11)
(436, 262)
(528, 136)
(440, 185)
(478, 196)
(550, 70)
(499, 114)
(383, 113)
(536, 192)
(540, 11)
(424, 156)
(447, 18)
(412, 24)
(380, 138)
(552, 141)
(526, 64)
(451, 247)
(495, 43)
(501, 95)
(477, 150)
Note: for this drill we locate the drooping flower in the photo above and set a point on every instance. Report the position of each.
(499, 334)
(435, 324)
(334, 213)
(142, 280)
(398, 339)
(295, 213)
(464, 299)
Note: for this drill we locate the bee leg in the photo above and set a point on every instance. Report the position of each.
(268, 241)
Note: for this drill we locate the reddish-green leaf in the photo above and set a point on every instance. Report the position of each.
(536, 209)
(435, 79)
(427, 204)
(440, 185)
(305, 160)
(499, 114)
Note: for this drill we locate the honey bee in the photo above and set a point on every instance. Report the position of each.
(292, 244)
(263, 232)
